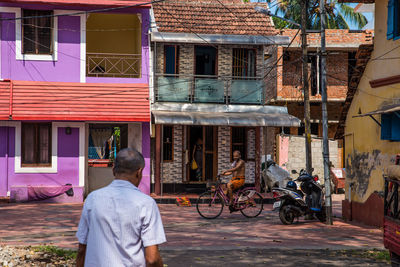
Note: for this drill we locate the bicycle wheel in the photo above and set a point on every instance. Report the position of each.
(208, 206)
(251, 203)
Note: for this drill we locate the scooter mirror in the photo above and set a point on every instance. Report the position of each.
(294, 171)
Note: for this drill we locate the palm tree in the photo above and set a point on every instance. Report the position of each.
(338, 14)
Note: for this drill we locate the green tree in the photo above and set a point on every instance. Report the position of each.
(338, 14)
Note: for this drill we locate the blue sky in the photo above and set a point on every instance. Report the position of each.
(369, 16)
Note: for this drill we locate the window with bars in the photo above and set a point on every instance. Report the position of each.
(37, 32)
(244, 62)
(168, 143)
(36, 144)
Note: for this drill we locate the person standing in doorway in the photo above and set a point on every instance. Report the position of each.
(120, 226)
(198, 157)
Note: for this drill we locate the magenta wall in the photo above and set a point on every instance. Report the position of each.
(68, 163)
(145, 183)
(67, 67)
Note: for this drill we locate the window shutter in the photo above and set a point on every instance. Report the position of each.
(386, 126)
(390, 19)
(395, 126)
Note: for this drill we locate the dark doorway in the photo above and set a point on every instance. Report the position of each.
(202, 148)
(206, 59)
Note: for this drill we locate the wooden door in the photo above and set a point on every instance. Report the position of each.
(210, 149)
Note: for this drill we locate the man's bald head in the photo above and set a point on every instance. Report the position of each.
(128, 162)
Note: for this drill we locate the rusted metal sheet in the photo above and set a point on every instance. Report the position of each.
(74, 101)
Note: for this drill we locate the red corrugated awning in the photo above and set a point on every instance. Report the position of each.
(24, 100)
(105, 3)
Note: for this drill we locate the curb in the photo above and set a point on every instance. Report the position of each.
(194, 200)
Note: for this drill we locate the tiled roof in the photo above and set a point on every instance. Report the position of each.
(216, 17)
(106, 3)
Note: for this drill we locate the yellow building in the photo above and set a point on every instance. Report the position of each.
(371, 117)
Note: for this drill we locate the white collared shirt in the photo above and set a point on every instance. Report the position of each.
(117, 222)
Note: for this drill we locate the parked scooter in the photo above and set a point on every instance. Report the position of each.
(294, 203)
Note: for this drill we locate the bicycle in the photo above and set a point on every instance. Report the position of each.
(247, 200)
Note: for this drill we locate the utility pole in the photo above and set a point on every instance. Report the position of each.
(307, 126)
(325, 153)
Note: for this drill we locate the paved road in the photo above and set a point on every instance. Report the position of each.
(267, 257)
(186, 229)
(194, 241)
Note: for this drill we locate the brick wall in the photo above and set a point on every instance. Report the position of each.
(290, 80)
(224, 152)
(272, 70)
(172, 171)
(224, 149)
(224, 60)
(186, 59)
(334, 38)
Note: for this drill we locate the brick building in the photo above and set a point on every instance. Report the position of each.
(342, 46)
(209, 64)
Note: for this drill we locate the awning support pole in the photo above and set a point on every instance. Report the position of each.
(257, 159)
(377, 122)
(157, 184)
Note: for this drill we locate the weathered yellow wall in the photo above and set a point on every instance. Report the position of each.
(366, 154)
(113, 33)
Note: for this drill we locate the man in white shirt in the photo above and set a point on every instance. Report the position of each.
(121, 226)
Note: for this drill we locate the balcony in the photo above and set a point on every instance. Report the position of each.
(113, 65)
(113, 45)
(209, 89)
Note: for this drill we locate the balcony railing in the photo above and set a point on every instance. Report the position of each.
(209, 89)
(113, 65)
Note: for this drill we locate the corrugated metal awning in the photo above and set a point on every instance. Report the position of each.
(177, 37)
(382, 110)
(224, 115)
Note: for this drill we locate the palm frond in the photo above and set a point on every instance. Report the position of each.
(347, 12)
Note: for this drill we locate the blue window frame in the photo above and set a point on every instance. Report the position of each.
(393, 20)
(390, 126)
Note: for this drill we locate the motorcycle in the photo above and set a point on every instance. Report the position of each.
(294, 203)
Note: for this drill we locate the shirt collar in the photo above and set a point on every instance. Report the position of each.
(123, 183)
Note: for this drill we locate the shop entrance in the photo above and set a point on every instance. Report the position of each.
(202, 147)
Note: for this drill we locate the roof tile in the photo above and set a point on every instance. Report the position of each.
(217, 17)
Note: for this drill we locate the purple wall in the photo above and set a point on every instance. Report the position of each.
(68, 163)
(67, 67)
(145, 183)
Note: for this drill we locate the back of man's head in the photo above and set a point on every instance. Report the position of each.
(127, 162)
